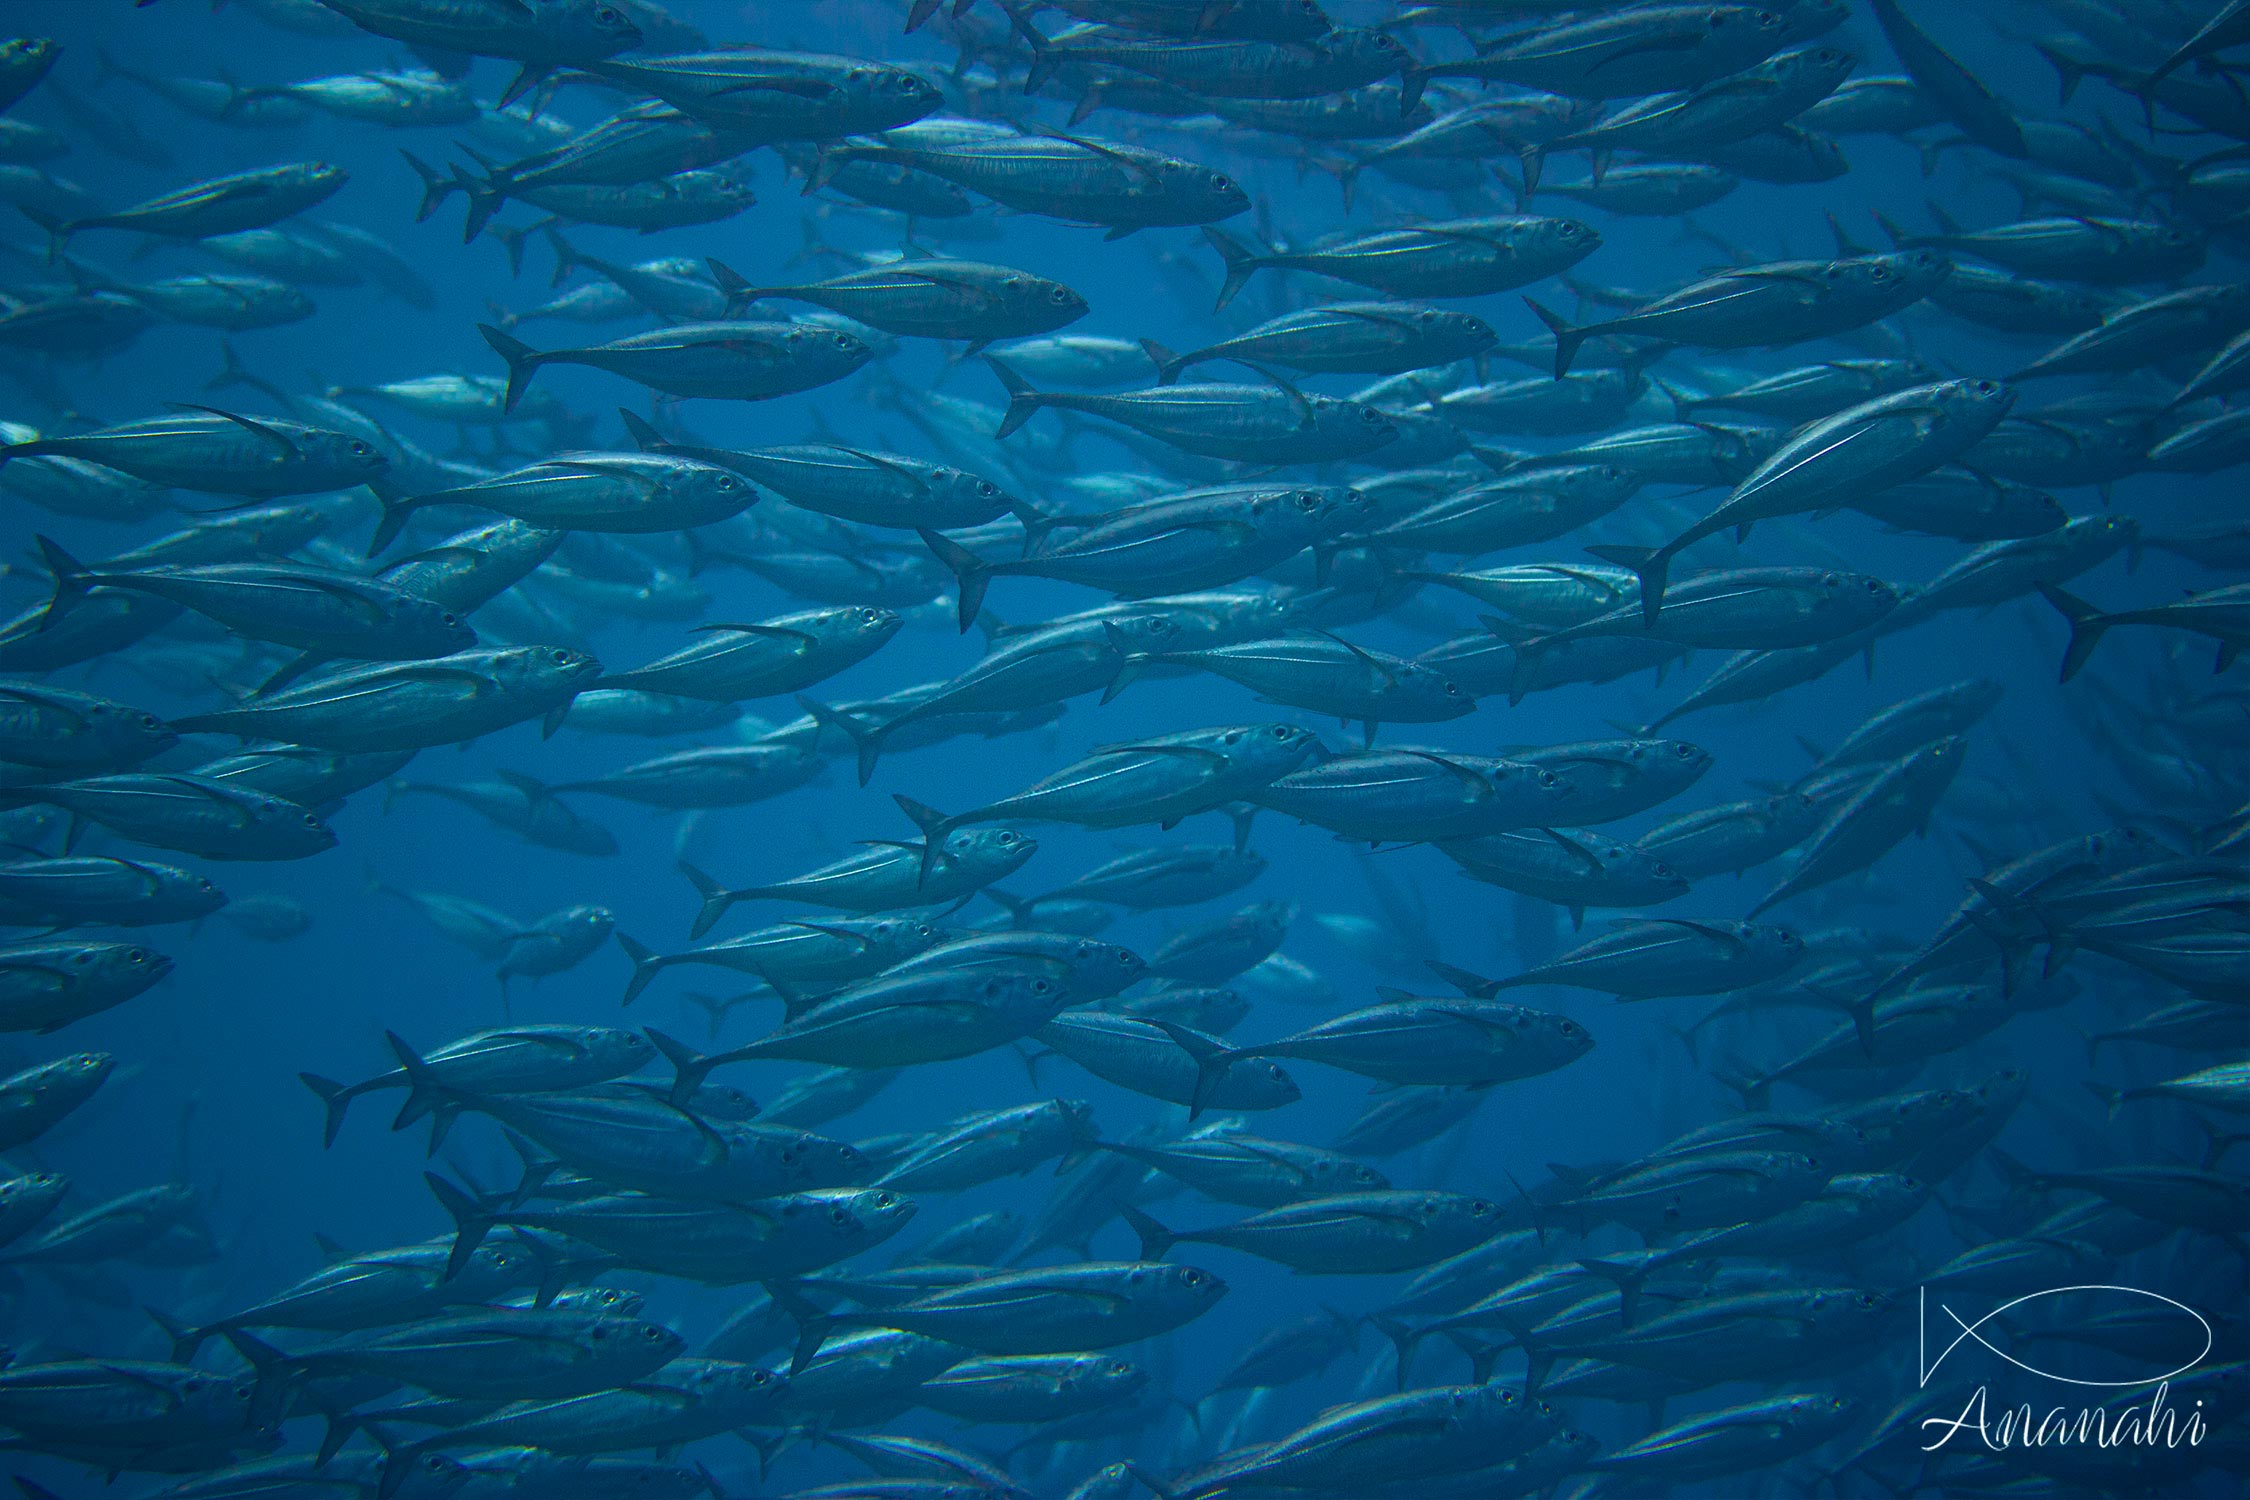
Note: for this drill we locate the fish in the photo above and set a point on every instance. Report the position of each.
(1067, 374)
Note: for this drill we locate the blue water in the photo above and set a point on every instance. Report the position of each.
(207, 1086)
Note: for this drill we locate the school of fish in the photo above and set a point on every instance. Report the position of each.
(1121, 579)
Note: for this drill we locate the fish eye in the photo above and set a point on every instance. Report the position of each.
(449, 620)
(1686, 752)
(361, 448)
(842, 340)
(149, 721)
(82, 958)
(1222, 182)
(1060, 295)
(136, 956)
(653, 1335)
(1191, 1277)
(724, 482)
(311, 821)
(560, 656)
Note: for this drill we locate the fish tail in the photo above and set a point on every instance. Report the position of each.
(1211, 1063)
(2068, 73)
(919, 15)
(2111, 1097)
(58, 231)
(1628, 1274)
(185, 1340)
(1411, 84)
(1156, 1240)
(1650, 564)
(716, 899)
(471, 1221)
(867, 742)
(1403, 1339)
(1023, 400)
(1044, 59)
(436, 188)
(1475, 986)
(523, 361)
(1891, 229)
(486, 196)
(739, 292)
(1168, 365)
(934, 825)
(647, 962)
(2087, 626)
(714, 1009)
(396, 510)
(233, 372)
(1756, 1093)
(398, 1460)
(512, 241)
(971, 572)
(424, 1094)
(1239, 262)
(335, 1098)
(73, 580)
(1567, 338)
(689, 1067)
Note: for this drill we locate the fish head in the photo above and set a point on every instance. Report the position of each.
(1104, 968)
(1543, 237)
(1112, 1378)
(886, 98)
(1149, 633)
(705, 488)
(1183, 1290)
(115, 966)
(353, 458)
(542, 671)
(31, 1187)
(129, 731)
(1035, 297)
(602, 1299)
(613, 1047)
(1270, 750)
(814, 1159)
(634, 1341)
(875, 1213)
(1264, 1084)
(991, 852)
(822, 350)
(437, 630)
(1779, 942)
(1855, 597)
(1205, 191)
(1815, 65)
(1676, 760)
(293, 827)
(311, 177)
(584, 31)
(1802, 20)
(973, 489)
(24, 55)
(500, 1264)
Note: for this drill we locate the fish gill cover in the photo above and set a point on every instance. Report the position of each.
(892, 749)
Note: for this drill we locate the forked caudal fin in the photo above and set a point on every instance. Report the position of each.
(2087, 626)
(523, 361)
(1651, 565)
